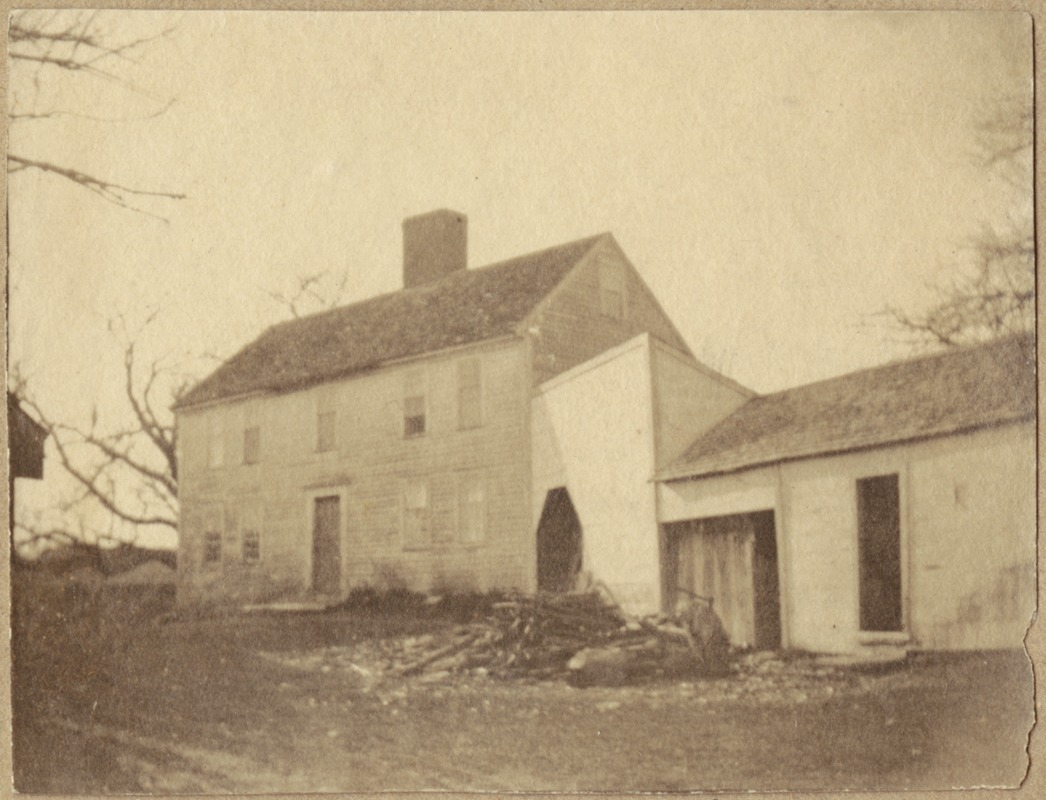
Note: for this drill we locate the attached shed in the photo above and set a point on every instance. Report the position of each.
(901, 500)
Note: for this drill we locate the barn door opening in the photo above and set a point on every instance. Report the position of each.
(559, 543)
(879, 552)
(326, 545)
(731, 561)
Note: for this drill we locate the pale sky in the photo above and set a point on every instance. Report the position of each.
(776, 178)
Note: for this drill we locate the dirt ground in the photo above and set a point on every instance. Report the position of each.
(111, 696)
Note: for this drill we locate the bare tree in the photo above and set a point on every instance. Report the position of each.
(130, 472)
(72, 43)
(993, 291)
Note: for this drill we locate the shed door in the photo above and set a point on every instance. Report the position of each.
(326, 545)
(879, 549)
(732, 561)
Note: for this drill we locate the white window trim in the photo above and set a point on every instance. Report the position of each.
(479, 388)
(404, 484)
(464, 481)
(405, 388)
(216, 439)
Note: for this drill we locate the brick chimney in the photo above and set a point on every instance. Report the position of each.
(434, 245)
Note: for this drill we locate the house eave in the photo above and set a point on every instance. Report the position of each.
(673, 476)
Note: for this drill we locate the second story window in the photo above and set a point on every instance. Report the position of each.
(414, 404)
(612, 290)
(469, 409)
(326, 432)
(215, 440)
(251, 444)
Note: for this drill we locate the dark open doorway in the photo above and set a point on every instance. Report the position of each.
(558, 543)
(767, 601)
(732, 561)
(879, 550)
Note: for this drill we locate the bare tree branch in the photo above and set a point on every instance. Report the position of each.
(313, 293)
(992, 292)
(109, 191)
(130, 472)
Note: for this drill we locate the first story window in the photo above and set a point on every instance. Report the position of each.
(212, 547)
(472, 509)
(251, 546)
(416, 531)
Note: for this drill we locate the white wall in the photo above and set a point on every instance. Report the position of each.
(967, 537)
(689, 398)
(592, 432)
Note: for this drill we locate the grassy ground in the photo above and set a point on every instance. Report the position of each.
(108, 699)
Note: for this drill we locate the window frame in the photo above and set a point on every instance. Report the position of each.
(251, 449)
(470, 408)
(466, 483)
(415, 425)
(212, 548)
(326, 438)
(421, 539)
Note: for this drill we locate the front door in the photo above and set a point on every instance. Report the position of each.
(326, 545)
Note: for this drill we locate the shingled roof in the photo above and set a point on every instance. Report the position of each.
(465, 307)
(949, 392)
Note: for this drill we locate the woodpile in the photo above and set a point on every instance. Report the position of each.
(584, 637)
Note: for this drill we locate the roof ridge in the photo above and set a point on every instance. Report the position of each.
(429, 287)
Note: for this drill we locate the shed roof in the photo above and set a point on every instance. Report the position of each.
(947, 392)
(465, 307)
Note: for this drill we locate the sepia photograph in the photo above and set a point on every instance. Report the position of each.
(520, 401)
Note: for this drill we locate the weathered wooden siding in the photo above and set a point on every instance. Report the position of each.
(967, 506)
(572, 328)
(368, 468)
(713, 558)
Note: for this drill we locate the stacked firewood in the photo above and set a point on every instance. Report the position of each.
(584, 637)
